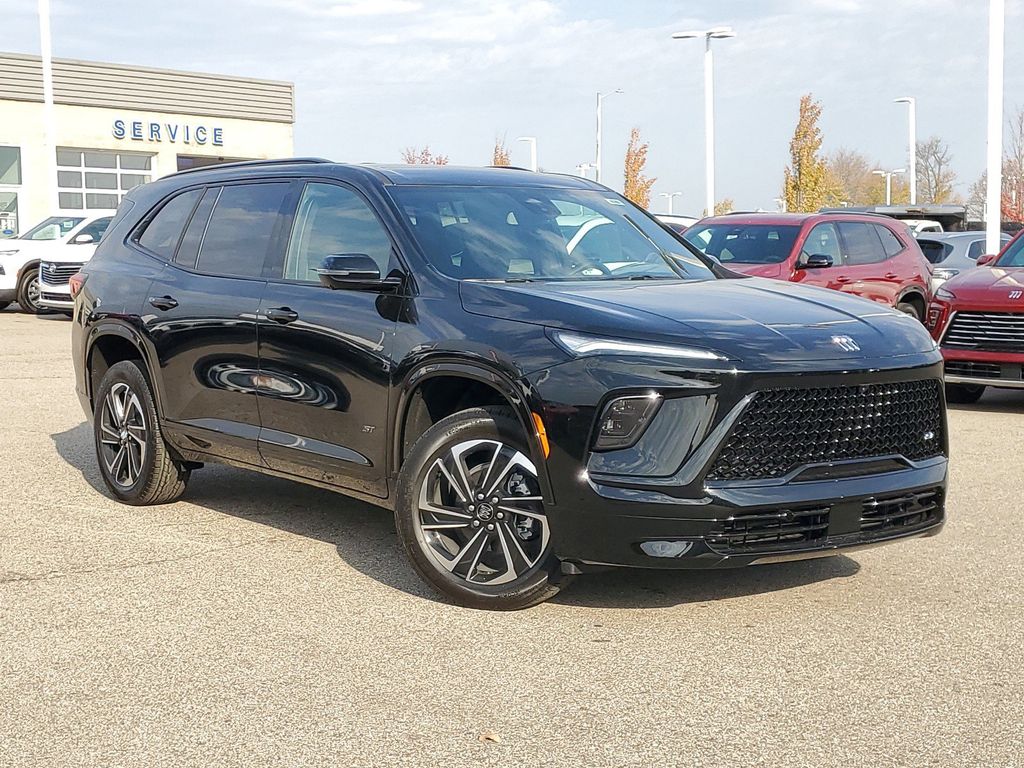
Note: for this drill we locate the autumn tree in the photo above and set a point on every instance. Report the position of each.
(637, 186)
(1013, 171)
(935, 177)
(414, 156)
(723, 207)
(807, 184)
(501, 156)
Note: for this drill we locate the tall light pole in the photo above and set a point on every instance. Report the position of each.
(911, 102)
(582, 169)
(49, 129)
(532, 141)
(597, 157)
(670, 196)
(888, 182)
(715, 33)
(993, 193)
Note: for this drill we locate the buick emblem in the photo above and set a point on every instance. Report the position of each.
(1016, 294)
(484, 511)
(846, 343)
(51, 268)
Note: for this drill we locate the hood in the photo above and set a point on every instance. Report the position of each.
(989, 286)
(774, 271)
(752, 321)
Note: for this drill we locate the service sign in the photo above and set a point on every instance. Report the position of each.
(170, 133)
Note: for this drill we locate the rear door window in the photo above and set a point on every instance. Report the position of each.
(890, 243)
(241, 228)
(163, 231)
(860, 243)
(823, 240)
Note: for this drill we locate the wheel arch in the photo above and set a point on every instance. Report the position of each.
(424, 399)
(917, 296)
(35, 262)
(111, 343)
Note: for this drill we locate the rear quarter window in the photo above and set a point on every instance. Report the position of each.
(161, 233)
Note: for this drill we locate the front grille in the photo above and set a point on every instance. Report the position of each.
(63, 298)
(994, 331)
(771, 530)
(909, 511)
(783, 429)
(972, 369)
(57, 274)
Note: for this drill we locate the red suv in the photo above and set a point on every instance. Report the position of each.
(978, 319)
(868, 255)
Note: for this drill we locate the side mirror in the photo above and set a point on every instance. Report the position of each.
(987, 259)
(815, 261)
(353, 272)
(83, 239)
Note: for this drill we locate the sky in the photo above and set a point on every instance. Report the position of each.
(375, 76)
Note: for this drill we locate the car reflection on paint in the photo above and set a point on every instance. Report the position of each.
(278, 384)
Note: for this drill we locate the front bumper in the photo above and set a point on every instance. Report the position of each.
(663, 506)
(981, 368)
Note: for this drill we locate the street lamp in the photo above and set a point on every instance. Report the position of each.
(781, 203)
(582, 169)
(911, 102)
(715, 33)
(669, 195)
(994, 153)
(597, 158)
(888, 182)
(532, 140)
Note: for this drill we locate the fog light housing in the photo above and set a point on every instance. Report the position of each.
(624, 420)
(666, 548)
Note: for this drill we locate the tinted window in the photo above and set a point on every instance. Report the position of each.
(860, 243)
(935, 251)
(744, 243)
(238, 235)
(94, 229)
(188, 250)
(890, 243)
(977, 249)
(822, 241)
(330, 221)
(163, 231)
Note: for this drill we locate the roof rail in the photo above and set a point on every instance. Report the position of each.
(510, 167)
(254, 163)
(852, 212)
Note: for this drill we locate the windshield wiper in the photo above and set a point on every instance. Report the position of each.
(653, 277)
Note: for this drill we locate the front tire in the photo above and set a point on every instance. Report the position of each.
(28, 291)
(964, 394)
(910, 308)
(470, 515)
(134, 461)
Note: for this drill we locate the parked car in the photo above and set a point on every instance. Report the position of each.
(978, 319)
(863, 254)
(420, 337)
(59, 264)
(922, 226)
(20, 258)
(951, 253)
(677, 224)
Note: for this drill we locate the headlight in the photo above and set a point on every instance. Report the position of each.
(945, 274)
(624, 420)
(579, 345)
(944, 293)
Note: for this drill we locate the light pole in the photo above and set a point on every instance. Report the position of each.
(993, 193)
(715, 33)
(49, 127)
(911, 102)
(670, 196)
(532, 141)
(781, 203)
(888, 182)
(597, 157)
(582, 169)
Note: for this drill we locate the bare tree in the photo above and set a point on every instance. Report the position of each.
(1013, 171)
(414, 156)
(935, 178)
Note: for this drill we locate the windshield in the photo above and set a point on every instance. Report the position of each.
(743, 243)
(1013, 256)
(53, 228)
(527, 233)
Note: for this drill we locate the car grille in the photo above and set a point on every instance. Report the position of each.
(783, 429)
(809, 528)
(995, 331)
(970, 369)
(57, 274)
(907, 511)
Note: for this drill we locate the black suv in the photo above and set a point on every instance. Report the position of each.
(532, 373)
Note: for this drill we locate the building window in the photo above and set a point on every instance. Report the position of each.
(8, 214)
(10, 165)
(97, 180)
(10, 179)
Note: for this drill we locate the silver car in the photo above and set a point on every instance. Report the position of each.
(950, 253)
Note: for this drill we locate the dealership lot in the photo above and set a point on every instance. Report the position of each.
(263, 621)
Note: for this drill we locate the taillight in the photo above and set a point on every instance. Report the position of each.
(76, 282)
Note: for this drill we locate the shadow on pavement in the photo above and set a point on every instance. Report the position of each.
(996, 401)
(365, 538)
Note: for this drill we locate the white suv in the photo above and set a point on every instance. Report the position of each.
(35, 267)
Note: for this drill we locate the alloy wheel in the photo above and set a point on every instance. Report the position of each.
(32, 293)
(480, 513)
(123, 435)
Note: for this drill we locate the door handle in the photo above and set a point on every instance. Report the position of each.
(163, 302)
(282, 315)
(844, 279)
(891, 275)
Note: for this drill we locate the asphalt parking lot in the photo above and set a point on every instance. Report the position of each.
(262, 622)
